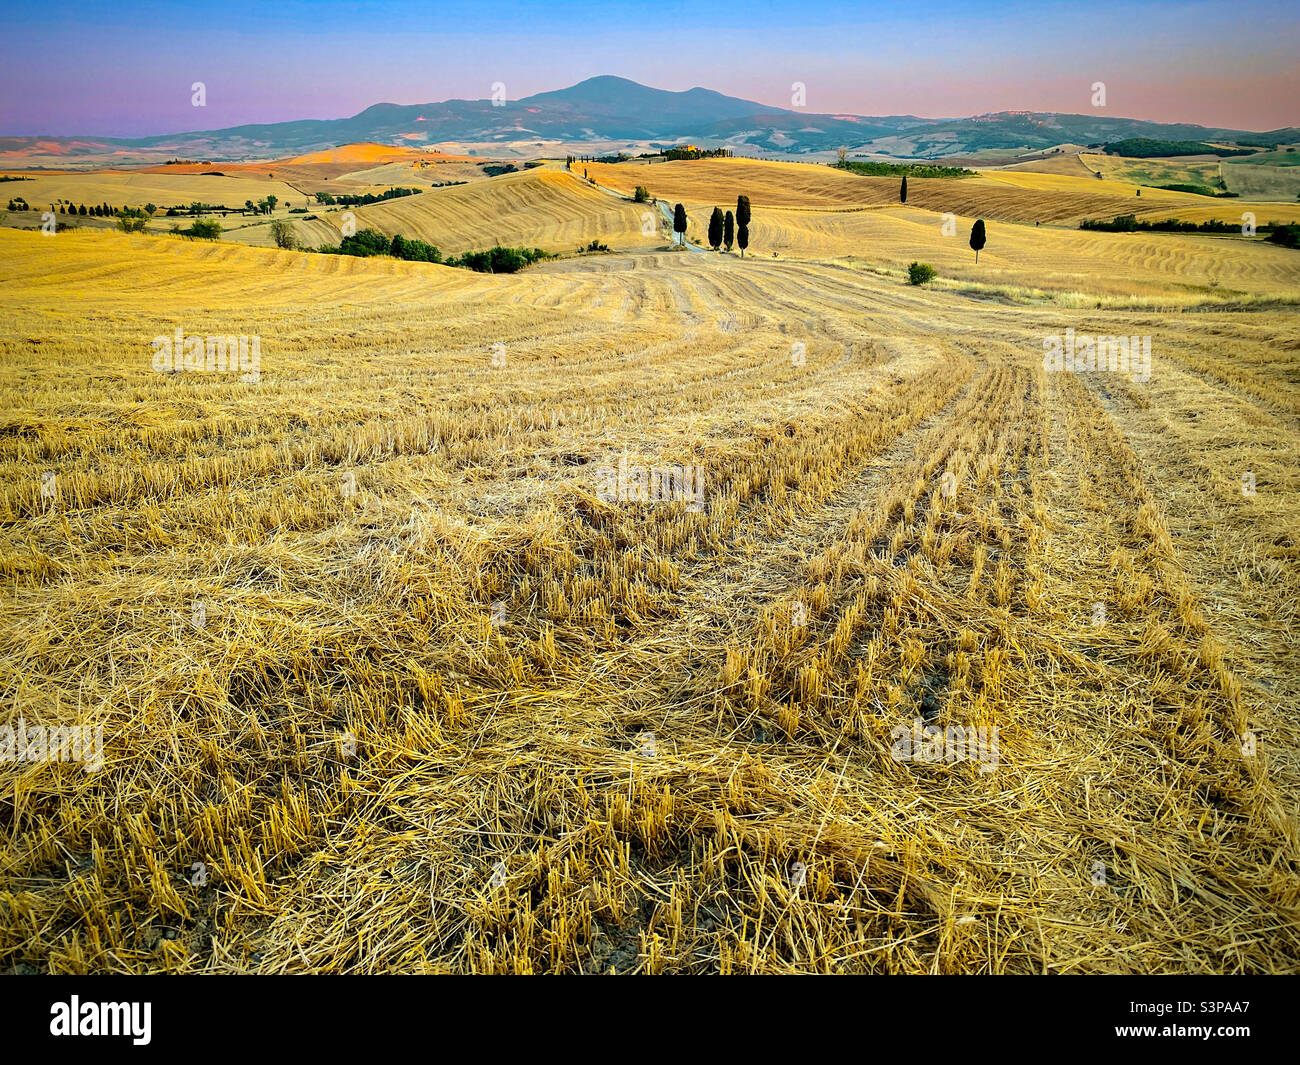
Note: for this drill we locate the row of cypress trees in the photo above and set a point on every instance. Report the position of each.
(724, 229)
(728, 229)
(98, 210)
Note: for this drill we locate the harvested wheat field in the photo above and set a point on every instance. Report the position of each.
(714, 181)
(440, 169)
(351, 169)
(547, 208)
(1067, 162)
(135, 188)
(1036, 263)
(390, 680)
(1005, 195)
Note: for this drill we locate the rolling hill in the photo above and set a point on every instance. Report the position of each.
(1006, 195)
(550, 209)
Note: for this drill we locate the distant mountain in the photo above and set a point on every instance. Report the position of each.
(609, 109)
(618, 102)
(1028, 129)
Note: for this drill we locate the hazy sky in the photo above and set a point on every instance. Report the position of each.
(126, 68)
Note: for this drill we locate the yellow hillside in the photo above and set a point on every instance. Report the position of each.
(1068, 163)
(172, 276)
(367, 153)
(1004, 195)
(1052, 259)
(423, 172)
(541, 208)
(125, 188)
(257, 233)
(1186, 170)
(720, 181)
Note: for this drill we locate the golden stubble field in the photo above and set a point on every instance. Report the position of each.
(545, 208)
(351, 169)
(135, 188)
(386, 685)
(1005, 195)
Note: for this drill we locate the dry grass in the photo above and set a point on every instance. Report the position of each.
(1184, 171)
(1254, 182)
(344, 170)
(543, 208)
(1068, 163)
(503, 809)
(135, 188)
(354, 169)
(1263, 182)
(720, 181)
(1011, 195)
(1171, 268)
(413, 175)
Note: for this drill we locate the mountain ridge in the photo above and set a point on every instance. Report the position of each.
(609, 109)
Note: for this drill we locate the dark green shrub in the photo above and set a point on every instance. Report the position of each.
(919, 273)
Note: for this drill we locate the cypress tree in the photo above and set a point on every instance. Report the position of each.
(977, 237)
(679, 223)
(715, 229)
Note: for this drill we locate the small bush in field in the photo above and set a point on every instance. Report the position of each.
(919, 273)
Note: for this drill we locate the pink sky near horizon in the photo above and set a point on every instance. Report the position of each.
(1262, 101)
(1184, 61)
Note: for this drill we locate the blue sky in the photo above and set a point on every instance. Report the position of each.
(126, 68)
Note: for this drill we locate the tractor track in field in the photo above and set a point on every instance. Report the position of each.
(1215, 520)
(723, 600)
